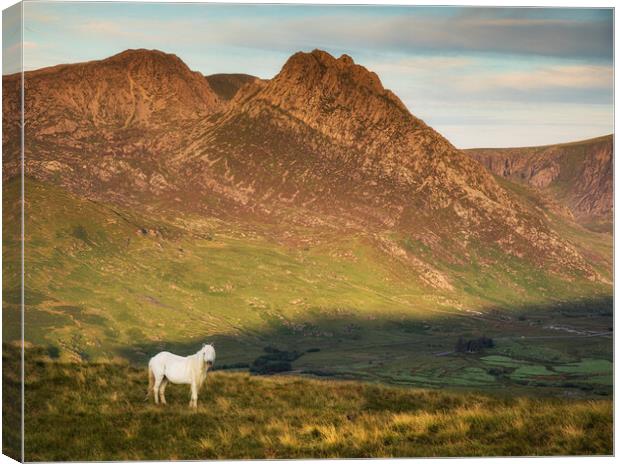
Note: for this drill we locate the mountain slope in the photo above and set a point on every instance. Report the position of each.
(579, 175)
(104, 281)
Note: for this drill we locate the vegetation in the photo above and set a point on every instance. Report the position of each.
(96, 411)
(473, 346)
(274, 361)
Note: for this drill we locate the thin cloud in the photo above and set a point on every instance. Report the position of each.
(126, 29)
(567, 38)
(575, 77)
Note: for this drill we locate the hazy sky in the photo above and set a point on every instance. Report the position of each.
(480, 76)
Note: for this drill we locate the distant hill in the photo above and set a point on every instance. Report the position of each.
(226, 86)
(579, 175)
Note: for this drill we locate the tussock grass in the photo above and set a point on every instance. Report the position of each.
(98, 412)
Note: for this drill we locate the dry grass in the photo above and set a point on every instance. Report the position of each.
(97, 412)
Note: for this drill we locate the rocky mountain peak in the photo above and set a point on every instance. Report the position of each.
(346, 59)
(133, 89)
(151, 69)
(336, 97)
(320, 69)
(142, 54)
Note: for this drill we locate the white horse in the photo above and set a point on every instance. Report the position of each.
(166, 367)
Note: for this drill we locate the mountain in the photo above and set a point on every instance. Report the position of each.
(578, 175)
(226, 86)
(322, 146)
(128, 112)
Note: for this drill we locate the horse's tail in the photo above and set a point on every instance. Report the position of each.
(151, 383)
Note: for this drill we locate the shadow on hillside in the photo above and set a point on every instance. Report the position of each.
(354, 337)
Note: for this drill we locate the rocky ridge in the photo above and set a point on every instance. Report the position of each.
(578, 175)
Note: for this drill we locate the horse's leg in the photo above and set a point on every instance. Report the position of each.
(158, 380)
(162, 390)
(193, 402)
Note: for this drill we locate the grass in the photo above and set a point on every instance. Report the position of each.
(96, 411)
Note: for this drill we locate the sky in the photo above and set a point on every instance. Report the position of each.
(483, 77)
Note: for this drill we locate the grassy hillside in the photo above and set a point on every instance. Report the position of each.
(97, 412)
(596, 245)
(104, 283)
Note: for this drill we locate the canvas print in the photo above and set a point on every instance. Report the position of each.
(306, 231)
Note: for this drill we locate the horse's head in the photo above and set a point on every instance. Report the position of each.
(208, 354)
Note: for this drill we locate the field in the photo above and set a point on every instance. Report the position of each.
(96, 411)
